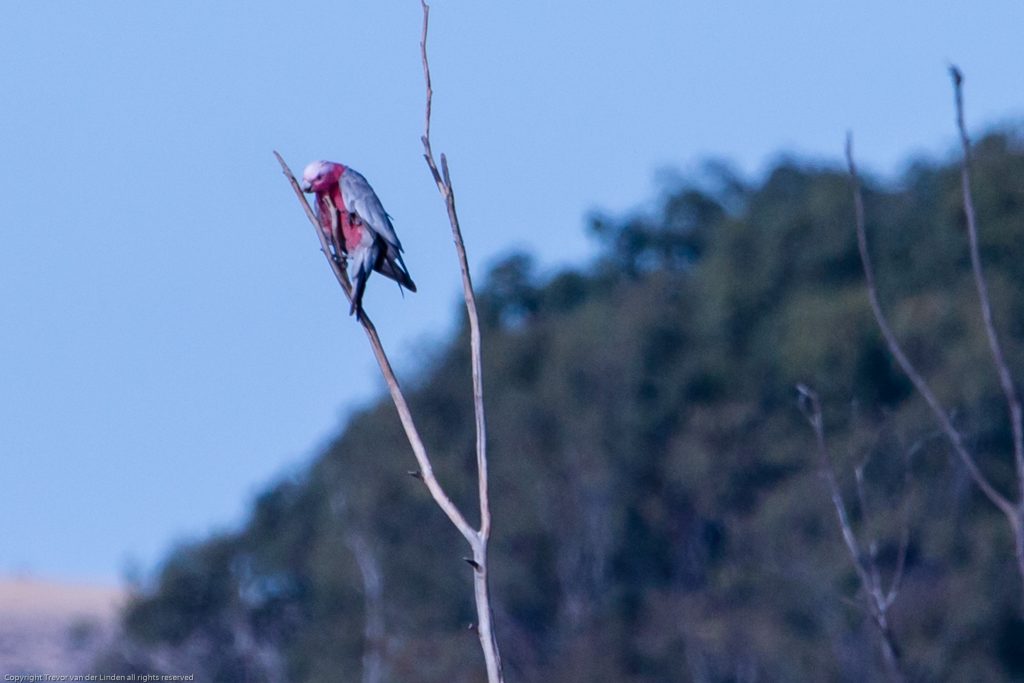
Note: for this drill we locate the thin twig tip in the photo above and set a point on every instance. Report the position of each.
(849, 151)
(956, 75)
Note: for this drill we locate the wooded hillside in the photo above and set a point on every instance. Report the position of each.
(658, 512)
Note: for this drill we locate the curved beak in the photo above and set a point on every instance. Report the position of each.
(306, 187)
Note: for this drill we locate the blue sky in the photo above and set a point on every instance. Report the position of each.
(172, 338)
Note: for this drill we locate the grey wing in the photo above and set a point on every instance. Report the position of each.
(361, 200)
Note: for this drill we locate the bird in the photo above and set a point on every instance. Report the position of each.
(357, 228)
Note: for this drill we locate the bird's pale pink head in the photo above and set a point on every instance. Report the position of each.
(320, 176)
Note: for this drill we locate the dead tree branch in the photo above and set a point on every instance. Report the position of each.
(984, 302)
(442, 179)
(404, 414)
(374, 633)
(920, 384)
(444, 186)
(1012, 509)
(877, 598)
(477, 539)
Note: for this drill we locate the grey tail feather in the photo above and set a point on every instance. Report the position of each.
(356, 308)
(359, 287)
(392, 266)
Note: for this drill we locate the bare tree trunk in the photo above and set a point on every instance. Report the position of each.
(374, 634)
(373, 601)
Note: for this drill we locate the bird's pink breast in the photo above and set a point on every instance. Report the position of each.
(351, 231)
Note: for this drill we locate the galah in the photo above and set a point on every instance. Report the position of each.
(356, 227)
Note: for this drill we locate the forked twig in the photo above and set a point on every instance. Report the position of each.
(418, 449)
(878, 599)
(1012, 509)
(488, 640)
(444, 186)
(920, 384)
(477, 539)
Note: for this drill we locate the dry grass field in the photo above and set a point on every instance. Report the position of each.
(51, 627)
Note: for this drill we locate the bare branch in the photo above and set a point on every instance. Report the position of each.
(922, 386)
(426, 78)
(901, 553)
(404, 414)
(444, 185)
(488, 640)
(862, 498)
(374, 633)
(901, 563)
(999, 360)
(908, 481)
(428, 153)
(865, 512)
(867, 567)
(811, 408)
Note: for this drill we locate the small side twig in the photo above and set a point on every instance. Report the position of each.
(901, 553)
(878, 599)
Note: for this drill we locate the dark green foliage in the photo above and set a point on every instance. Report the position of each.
(658, 513)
